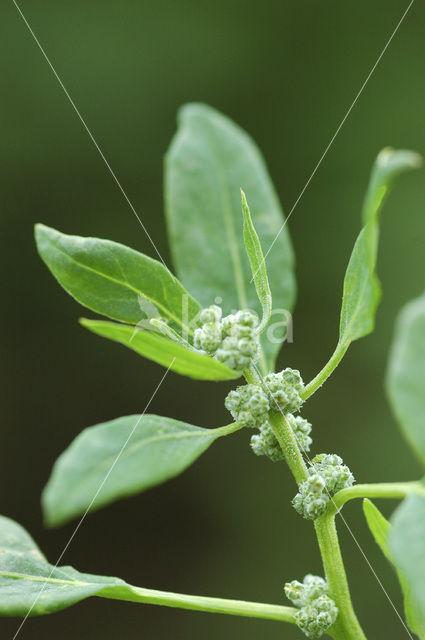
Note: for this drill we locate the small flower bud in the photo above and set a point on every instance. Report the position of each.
(302, 429)
(248, 405)
(210, 314)
(317, 611)
(285, 389)
(265, 444)
(231, 340)
(311, 500)
(332, 469)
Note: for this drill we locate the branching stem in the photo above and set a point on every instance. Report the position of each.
(347, 627)
(206, 604)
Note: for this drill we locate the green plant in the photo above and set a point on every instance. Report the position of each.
(153, 314)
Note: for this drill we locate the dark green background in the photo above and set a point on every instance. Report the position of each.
(287, 72)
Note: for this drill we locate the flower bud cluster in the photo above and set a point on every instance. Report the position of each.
(285, 390)
(327, 475)
(317, 611)
(301, 429)
(335, 473)
(232, 340)
(249, 405)
(265, 443)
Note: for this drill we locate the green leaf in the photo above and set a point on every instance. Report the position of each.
(407, 547)
(380, 529)
(31, 586)
(208, 162)
(362, 291)
(378, 525)
(162, 350)
(25, 574)
(406, 374)
(258, 264)
(119, 458)
(114, 280)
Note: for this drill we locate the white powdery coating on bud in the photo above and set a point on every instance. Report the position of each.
(248, 405)
(285, 390)
(231, 340)
(311, 500)
(335, 473)
(327, 476)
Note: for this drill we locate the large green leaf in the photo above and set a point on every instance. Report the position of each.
(31, 586)
(406, 374)
(208, 162)
(119, 458)
(114, 280)
(162, 350)
(362, 290)
(380, 529)
(407, 547)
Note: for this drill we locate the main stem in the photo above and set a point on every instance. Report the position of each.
(347, 627)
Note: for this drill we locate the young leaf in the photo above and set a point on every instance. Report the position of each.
(380, 529)
(362, 290)
(31, 586)
(209, 159)
(406, 374)
(162, 350)
(258, 264)
(114, 280)
(119, 458)
(407, 547)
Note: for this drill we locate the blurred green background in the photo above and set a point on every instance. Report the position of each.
(287, 72)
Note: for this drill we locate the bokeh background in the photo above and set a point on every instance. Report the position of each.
(287, 71)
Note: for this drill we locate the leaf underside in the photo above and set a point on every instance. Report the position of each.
(380, 529)
(406, 374)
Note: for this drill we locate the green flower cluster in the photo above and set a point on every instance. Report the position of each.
(335, 473)
(301, 429)
(232, 340)
(317, 611)
(265, 443)
(327, 475)
(249, 405)
(285, 390)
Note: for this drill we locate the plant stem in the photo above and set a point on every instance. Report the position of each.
(324, 374)
(346, 627)
(289, 446)
(201, 603)
(378, 490)
(227, 429)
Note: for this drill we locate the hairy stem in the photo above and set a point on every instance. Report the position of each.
(289, 446)
(327, 370)
(206, 604)
(346, 627)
